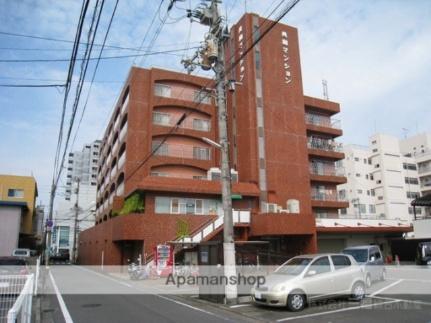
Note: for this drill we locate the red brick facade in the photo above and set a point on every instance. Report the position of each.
(272, 145)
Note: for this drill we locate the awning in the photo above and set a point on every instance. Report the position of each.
(422, 201)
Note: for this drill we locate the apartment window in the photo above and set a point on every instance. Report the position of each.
(380, 198)
(15, 192)
(160, 149)
(375, 150)
(175, 206)
(369, 161)
(199, 207)
(257, 59)
(359, 191)
(200, 124)
(358, 175)
(379, 181)
(411, 180)
(365, 160)
(70, 161)
(366, 176)
(412, 195)
(377, 166)
(202, 97)
(161, 118)
(95, 153)
(357, 159)
(342, 194)
(201, 153)
(371, 177)
(372, 209)
(374, 142)
(343, 211)
(162, 90)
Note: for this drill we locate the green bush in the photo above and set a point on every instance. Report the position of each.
(182, 229)
(133, 204)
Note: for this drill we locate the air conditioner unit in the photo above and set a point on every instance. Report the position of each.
(293, 206)
(214, 174)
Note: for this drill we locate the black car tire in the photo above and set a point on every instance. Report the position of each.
(296, 301)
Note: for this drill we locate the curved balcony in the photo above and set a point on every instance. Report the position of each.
(121, 160)
(123, 132)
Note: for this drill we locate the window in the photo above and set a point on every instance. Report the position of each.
(162, 90)
(16, 193)
(357, 159)
(366, 176)
(320, 266)
(372, 209)
(358, 175)
(412, 195)
(175, 206)
(158, 149)
(201, 153)
(368, 192)
(340, 262)
(377, 166)
(375, 150)
(257, 59)
(371, 177)
(199, 207)
(362, 208)
(202, 97)
(343, 211)
(411, 180)
(373, 192)
(200, 124)
(365, 160)
(161, 118)
(63, 237)
(380, 198)
(409, 166)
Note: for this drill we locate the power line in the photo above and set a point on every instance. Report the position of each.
(92, 58)
(32, 85)
(95, 71)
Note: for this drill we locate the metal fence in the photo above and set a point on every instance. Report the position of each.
(16, 295)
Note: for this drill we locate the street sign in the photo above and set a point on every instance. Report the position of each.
(236, 197)
(49, 223)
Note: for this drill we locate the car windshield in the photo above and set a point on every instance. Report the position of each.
(294, 266)
(360, 255)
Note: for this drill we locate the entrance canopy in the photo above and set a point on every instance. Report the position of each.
(421, 201)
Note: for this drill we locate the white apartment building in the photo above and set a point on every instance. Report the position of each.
(81, 165)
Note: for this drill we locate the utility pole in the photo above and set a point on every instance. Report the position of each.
(75, 226)
(212, 56)
(48, 224)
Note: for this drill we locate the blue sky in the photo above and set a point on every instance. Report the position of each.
(375, 56)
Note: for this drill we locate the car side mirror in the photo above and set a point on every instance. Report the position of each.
(311, 273)
(373, 258)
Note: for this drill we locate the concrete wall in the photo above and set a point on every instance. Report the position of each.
(10, 218)
(422, 229)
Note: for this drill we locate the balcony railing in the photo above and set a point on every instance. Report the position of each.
(322, 121)
(426, 185)
(123, 132)
(114, 172)
(324, 144)
(121, 160)
(425, 169)
(115, 146)
(326, 170)
(124, 106)
(182, 151)
(327, 195)
(182, 93)
(120, 189)
(117, 121)
(164, 119)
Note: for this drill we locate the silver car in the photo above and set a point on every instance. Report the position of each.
(311, 277)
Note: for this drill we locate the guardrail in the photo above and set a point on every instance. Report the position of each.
(16, 296)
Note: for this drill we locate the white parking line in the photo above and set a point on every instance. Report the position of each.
(335, 311)
(240, 305)
(60, 299)
(413, 301)
(387, 287)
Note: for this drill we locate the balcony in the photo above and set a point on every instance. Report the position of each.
(108, 159)
(121, 160)
(108, 140)
(327, 198)
(182, 151)
(114, 172)
(125, 105)
(117, 121)
(355, 224)
(182, 93)
(123, 132)
(111, 198)
(327, 172)
(115, 146)
(167, 120)
(323, 124)
(120, 189)
(323, 147)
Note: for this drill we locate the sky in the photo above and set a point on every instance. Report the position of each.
(374, 54)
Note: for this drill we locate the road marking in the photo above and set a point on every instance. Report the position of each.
(60, 299)
(387, 287)
(240, 305)
(192, 307)
(335, 311)
(104, 276)
(414, 301)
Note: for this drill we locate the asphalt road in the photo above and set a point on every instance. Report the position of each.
(126, 305)
(391, 300)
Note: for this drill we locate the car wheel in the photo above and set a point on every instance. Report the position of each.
(296, 302)
(383, 275)
(358, 291)
(368, 280)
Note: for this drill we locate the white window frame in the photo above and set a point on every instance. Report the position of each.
(202, 206)
(178, 203)
(159, 90)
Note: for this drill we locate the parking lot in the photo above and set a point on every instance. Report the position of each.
(403, 297)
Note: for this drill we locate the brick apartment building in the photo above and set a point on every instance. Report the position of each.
(283, 156)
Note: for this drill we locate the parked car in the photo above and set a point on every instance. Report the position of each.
(22, 253)
(371, 259)
(311, 277)
(13, 266)
(423, 255)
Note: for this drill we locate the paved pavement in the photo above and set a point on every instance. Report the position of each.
(390, 300)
